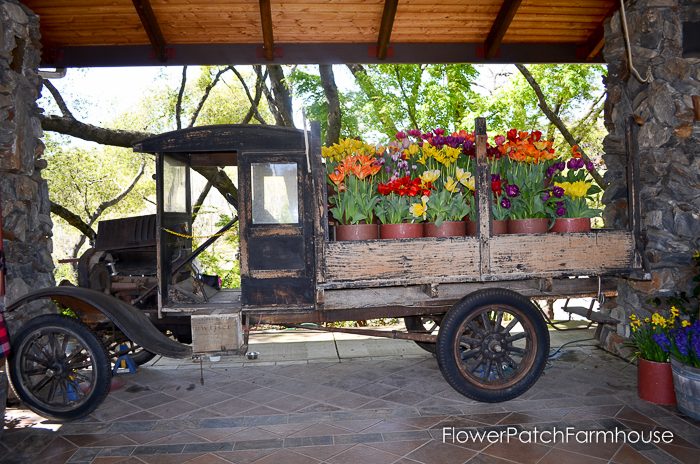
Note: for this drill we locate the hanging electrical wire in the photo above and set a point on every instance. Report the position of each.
(625, 33)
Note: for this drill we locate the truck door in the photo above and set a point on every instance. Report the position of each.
(276, 230)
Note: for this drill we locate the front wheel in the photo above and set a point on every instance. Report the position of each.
(424, 324)
(492, 345)
(58, 368)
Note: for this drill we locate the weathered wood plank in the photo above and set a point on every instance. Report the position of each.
(423, 260)
(382, 263)
(543, 255)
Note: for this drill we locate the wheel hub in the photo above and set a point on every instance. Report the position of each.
(494, 346)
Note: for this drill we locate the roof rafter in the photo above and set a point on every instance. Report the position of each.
(595, 42)
(268, 38)
(385, 28)
(500, 27)
(150, 25)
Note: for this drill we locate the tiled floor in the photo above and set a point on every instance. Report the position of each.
(353, 410)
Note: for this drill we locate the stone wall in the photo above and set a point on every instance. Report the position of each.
(23, 193)
(669, 149)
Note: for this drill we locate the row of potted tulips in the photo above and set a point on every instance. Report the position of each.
(429, 178)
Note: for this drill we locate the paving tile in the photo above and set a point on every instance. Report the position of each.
(436, 452)
(558, 456)
(362, 454)
(322, 453)
(208, 459)
(258, 444)
(389, 426)
(245, 456)
(399, 448)
(168, 458)
(681, 453)
(517, 451)
(289, 403)
(486, 459)
(296, 442)
(628, 455)
(317, 430)
(178, 438)
(152, 400)
(253, 433)
(158, 449)
(287, 457)
(357, 438)
(356, 425)
(116, 460)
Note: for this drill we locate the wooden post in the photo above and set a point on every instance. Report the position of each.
(633, 187)
(483, 198)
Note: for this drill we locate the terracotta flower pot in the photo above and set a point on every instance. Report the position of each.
(569, 225)
(356, 232)
(528, 226)
(498, 227)
(446, 229)
(405, 230)
(655, 382)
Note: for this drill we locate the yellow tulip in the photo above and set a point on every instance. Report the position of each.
(420, 210)
(451, 185)
(685, 323)
(576, 189)
(430, 176)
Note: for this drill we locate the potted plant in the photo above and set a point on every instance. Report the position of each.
(654, 377)
(393, 208)
(528, 158)
(573, 212)
(351, 173)
(684, 349)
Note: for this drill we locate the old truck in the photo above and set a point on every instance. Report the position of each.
(138, 287)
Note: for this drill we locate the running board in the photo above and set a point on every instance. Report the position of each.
(595, 316)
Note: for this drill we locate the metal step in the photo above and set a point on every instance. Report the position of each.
(595, 316)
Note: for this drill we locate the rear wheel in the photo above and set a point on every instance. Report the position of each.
(492, 345)
(424, 324)
(58, 368)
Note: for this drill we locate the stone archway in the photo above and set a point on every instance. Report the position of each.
(668, 139)
(24, 195)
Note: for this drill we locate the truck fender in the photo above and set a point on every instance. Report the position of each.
(90, 304)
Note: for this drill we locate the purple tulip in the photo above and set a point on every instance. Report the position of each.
(414, 133)
(561, 211)
(560, 166)
(589, 166)
(546, 195)
(560, 204)
(551, 171)
(512, 190)
(505, 203)
(401, 135)
(495, 177)
(439, 131)
(557, 191)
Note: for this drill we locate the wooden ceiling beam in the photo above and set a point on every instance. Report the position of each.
(500, 27)
(595, 42)
(268, 37)
(150, 25)
(385, 28)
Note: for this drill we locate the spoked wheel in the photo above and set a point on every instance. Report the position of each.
(492, 345)
(58, 368)
(119, 346)
(424, 324)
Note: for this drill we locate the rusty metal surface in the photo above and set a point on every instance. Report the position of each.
(132, 322)
(395, 334)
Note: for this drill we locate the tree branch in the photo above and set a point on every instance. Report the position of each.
(331, 91)
(58, 98)
(363, 80)
(200, 200)
(122, 138)
(556, 120)
(178, 104)
(207, 90)
(254, 101)
(73, 219)
(280, 96)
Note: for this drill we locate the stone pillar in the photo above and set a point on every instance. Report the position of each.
(669, 148)
(24, 195)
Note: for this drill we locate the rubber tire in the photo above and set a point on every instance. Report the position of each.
(142, 357)
(103, 373)
(414, 324)
(448, 330)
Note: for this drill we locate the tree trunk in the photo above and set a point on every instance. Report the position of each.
(331, 92)
(280, 99)
(368, 87)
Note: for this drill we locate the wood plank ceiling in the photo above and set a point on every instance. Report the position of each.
(143, 32)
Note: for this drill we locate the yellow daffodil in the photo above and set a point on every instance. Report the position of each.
(447, 155)
(685, 323)
(420, 210)
(674, 312)
(430, 176)
(451, 185)
(576, 189)
(348, 147)
(658, 319)
(413, 149)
